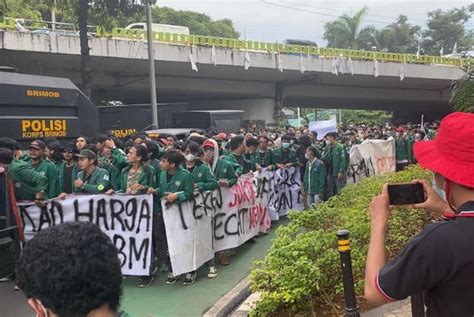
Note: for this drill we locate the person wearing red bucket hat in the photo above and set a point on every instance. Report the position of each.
(439, 260)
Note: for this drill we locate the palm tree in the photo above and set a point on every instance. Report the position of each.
(462, 92)
(347, 31)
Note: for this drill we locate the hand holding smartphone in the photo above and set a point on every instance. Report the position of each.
(406, 194)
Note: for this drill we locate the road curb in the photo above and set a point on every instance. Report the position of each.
(227, 303)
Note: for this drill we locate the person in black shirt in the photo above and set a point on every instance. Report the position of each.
(440, 260)
(68, 170)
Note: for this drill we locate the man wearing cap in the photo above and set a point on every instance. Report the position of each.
(91, 179)
(402, 150)
(28, 184)
(44, 167)
(440, 260)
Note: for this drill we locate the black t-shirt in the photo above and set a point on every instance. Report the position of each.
(68, 178)
(439, 261)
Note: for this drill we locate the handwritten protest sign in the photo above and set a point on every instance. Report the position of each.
(285, 193)
(215, 220)
(126, 219)
(210, 222)
(372, 157)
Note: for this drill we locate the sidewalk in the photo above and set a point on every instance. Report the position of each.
(194, 300)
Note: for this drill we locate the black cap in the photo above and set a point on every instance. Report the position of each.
(37, 144)
(87, 154)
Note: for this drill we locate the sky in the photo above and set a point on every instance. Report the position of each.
(277, 20)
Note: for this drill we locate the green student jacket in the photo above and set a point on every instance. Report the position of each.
(314, 181)
(26, 180)
(145, 178)
(48, 169)
(97, 184)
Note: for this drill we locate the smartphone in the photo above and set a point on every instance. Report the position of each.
(406, 194)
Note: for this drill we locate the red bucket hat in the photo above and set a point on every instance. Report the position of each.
(451, 153)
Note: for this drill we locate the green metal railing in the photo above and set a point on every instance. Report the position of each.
(264, 47)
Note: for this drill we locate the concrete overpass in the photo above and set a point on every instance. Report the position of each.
(120, 72)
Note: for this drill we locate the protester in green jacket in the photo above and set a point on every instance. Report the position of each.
(251, 146)
(91, 179)
(285, 156)
(223, 170)
(204, 179)
(28, 184)
(402, 150)
(236, 157)
(45, 167)
(68, 170)
(335, 160)
(314, 181)
(265, 157)
(136, 178)
(174, 185)
(110, 158)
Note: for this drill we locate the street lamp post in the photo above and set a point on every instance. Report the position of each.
(151, 61)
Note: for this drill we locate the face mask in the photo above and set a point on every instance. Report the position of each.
(438, 190)
(328, 142)
(306, 156)
(190, 157)
(224, 143)
(285, 145)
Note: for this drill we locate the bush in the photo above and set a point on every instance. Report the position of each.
(302, 268)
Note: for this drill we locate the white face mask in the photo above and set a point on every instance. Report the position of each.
(306, 156)
(190, 157)
(438, 190)
(328, 142)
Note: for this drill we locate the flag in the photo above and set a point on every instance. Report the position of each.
(279, 63)
(423, 123)
(441, 51)
(302, 69)
(213, 55)
(334, 67)
(402, 71)
(376, 68)
(191, 59)
(418, 52)
(246, 60)
(455, 48)
(350, 66)
(340, 67)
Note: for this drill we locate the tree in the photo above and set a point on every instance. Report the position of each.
(445, 28)
(398, 37)
(347, 31)
(462, 92)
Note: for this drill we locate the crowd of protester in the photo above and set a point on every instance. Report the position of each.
(172, 169)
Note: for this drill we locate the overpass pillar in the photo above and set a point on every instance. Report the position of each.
(259, 110)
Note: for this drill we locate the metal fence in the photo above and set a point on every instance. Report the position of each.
(69, 29)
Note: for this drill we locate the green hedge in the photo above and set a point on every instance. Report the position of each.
(302, 269)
